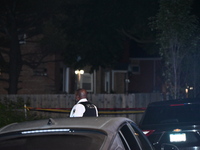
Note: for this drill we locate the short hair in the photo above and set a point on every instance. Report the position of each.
(82, 93)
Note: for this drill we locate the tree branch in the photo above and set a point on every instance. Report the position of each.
(122, 31)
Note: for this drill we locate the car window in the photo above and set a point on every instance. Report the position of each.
(128, 138)
(172, 114)
(76, 140)
(145, 144)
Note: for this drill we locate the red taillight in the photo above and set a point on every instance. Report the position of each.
(177, 105)
(148, 132)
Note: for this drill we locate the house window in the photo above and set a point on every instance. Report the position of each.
(134, 69)
(86, 82)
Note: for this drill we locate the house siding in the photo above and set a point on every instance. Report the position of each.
(148, 80)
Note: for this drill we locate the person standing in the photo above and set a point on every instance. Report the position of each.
(83, 108)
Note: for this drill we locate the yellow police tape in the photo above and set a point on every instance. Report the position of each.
(100, 111)
(120, 112)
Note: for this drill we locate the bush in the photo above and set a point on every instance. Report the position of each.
(11, 112)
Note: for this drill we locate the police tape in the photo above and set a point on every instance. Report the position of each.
(103, 111)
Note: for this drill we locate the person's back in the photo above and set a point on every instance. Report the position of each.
(90, 109)
(83, 107)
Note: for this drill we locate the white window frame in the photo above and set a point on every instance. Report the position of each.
(66, 79)
(107, 82)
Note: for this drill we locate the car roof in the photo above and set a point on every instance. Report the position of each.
(106, 124)
(176, 101)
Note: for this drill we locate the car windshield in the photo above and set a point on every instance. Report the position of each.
(77, 140)
(178, 113)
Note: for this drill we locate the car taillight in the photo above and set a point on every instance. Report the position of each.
(177, 104)
(148, 132)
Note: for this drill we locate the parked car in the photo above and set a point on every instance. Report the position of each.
(173, 122)
(86, 133)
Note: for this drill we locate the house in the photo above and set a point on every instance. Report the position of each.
(135, 73)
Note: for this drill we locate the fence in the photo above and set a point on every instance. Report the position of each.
(59, 105)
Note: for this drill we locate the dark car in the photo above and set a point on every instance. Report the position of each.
(173, 122)
(92, 133)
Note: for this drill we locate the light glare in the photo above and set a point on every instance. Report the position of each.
(44, 131)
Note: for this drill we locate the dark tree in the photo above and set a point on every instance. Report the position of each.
(20, 20)
(95, 31)
(178, 34)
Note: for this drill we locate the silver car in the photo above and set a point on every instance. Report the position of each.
(86, 133)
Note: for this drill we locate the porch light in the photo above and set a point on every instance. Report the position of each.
(79, 72)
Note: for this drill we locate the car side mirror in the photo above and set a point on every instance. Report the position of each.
(166, 146)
